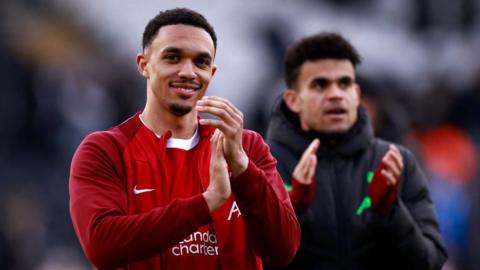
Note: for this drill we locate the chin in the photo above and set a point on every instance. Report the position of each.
(336, 130)
(180, 109)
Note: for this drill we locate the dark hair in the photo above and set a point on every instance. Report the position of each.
(324, 45)
(176, 16)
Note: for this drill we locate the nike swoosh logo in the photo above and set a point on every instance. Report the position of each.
(139, 191)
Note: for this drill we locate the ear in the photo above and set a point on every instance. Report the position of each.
(142, 65)
(358, 91)
(292, 100)
(214, 69)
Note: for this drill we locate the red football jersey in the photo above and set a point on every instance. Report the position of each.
(136, 203)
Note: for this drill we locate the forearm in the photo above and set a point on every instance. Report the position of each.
(268, 215)
(417, 241)
(413, 223)
(301, 195)
(109, 235)
(111, 239)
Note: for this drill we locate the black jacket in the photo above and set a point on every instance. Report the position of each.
(334, 236)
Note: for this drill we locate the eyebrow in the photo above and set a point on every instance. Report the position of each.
(346, 78)
(205, 55)
(326, 79)
(178, 50)
(172, 50)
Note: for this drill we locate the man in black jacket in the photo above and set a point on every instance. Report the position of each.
(363, 202)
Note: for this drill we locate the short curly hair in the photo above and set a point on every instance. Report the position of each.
(176, 16)
(324, 45)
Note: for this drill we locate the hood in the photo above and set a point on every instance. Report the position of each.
(284, 129)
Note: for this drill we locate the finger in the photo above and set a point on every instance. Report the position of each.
(220, 146)
(219, 124)
(297, 172)
(214, 135)
(225, 105)
(311, 167)
(305, 168)
(222, 110)
(396, 155)
(393, 147)
(214, 142)
(302, 164)
(217, 156)
(397, 158)
(301, 177)
(391, 180)
(218, 112)
(226, 101)
(391, 166)
(313, 147)
(212, 139)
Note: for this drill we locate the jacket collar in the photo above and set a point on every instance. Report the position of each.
(284, 128)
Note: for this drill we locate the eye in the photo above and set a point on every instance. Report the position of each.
(320, 84)
(203, 62)
(344, 83)
(172, 58)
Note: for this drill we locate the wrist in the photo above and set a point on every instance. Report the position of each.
(302, 194)
(239, 165)
(213, 199)
(302, 181)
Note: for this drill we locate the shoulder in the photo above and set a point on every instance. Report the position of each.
(108, 142)
(102, 139)
(116, 136)
(250, 137)
(381, 144)
(99, 153)
(100, 146)
(254, 144)
(409, 159)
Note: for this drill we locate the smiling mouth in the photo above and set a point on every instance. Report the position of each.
(185, 90)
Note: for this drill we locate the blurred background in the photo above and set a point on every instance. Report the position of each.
(67, 68)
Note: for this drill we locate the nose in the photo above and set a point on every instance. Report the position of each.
(335, 92)
(187, 70)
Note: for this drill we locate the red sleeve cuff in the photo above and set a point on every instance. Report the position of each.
(201, 212)
(301, 194)
(382, 195)
(249, 182)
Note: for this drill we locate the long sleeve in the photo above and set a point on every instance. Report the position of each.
(265, 205)
(411, 223)
(302, 195)
(109, 236)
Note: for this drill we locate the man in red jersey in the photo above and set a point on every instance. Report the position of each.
(168, 190)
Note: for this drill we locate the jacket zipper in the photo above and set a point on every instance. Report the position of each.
(339, 212)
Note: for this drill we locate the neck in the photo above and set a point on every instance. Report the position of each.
(182, 127)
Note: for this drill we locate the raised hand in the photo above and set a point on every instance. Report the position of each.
(218, 189)
(303, 186)
(305, 169)
(384, 187)
(230, 123)
(393, 165)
